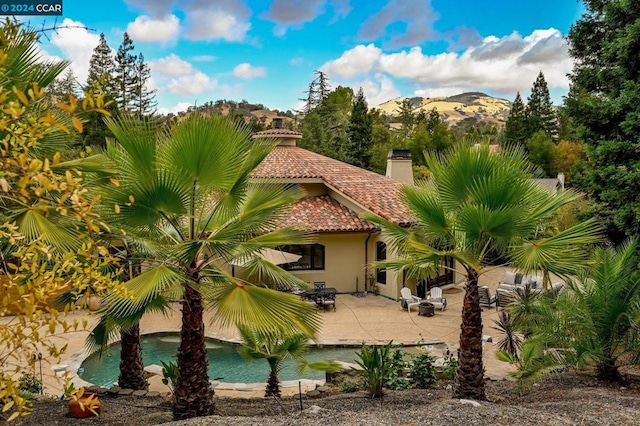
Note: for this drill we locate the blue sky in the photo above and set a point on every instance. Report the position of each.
(266, 51)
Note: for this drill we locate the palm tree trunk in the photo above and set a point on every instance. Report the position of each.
(132, 374)
(469, 380)
(607, 370)
(273, 385)
(193, 394)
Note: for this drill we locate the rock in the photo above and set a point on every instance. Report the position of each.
(113, 390)
(470, 402)
(323, 389)
(139, 393)
(125, 392)
(93, 389)
(152, 394)
(449, 387)
(314, 409)
(313, 393)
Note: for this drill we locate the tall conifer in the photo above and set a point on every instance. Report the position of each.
(143, 98)
(540, 113)
(515, 129)
(358, 147)
(126, 74)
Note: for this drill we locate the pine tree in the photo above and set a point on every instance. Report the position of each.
(515, 129)
(143, 98)
(101, 69)
(61, 88)
(604, 102)
(126, 75)
(358, 147)
(539, 112)
(101, 80)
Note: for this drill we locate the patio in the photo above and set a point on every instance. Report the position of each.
(369, 319)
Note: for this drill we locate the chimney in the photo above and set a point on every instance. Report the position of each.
(561, 181)
(277, 132)
(399, 166)
(277, 123)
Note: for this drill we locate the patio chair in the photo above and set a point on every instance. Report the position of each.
(409, 299)
(328, 299)
(486, 298)
(436, 298)
(504, 298)
(319, 285)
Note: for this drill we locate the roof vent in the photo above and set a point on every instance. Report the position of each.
(277, 123)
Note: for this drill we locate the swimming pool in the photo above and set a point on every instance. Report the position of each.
(224, 361)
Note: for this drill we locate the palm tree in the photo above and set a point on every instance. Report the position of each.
(276, 348)
(188, 191)
(478, 203)
(599, 314)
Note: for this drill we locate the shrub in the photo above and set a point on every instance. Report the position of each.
(397, 378)
(450, 366)
(376, 364)
(423, 371)
(30, 383)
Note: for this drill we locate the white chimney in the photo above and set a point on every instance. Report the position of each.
(561, 181)
(399, 166)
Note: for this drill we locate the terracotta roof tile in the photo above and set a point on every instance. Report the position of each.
(374, 192)
(277, 132)
(325, 214)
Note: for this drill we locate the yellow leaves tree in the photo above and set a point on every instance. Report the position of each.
(48, 227)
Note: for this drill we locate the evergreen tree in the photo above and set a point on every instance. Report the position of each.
(604, 102)
(360, 140)
(101, 80)
(143, 98)
(515, 129)
(61, 88)
(101, 69)
(539, 112)
(126, 75)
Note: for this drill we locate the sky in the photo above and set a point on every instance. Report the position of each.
(267, 51)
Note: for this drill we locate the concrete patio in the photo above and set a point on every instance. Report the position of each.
(357, 320)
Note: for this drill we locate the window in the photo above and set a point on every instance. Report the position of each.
(312, 257)
(381, 254)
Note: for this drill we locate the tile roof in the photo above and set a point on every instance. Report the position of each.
(325, 214)
(277, 132)
(376, 193)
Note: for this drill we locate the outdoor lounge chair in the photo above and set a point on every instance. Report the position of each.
(486, 298)
(504, 298)
(409, 299)
(436, 298)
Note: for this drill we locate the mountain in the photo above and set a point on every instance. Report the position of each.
(458, 107)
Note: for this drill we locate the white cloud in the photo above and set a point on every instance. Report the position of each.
(222, 19)
(247, 71)
(179, 107)
(204, 58)
(231, 90)
(192, 84)
(146, 28)
(298, 60)
(171, 65)
(358, 60)
(502, 65)
(417, 17)
(379, 90)
(76, 44)
(294, 13)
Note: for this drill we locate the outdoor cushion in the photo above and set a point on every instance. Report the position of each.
(509, 278)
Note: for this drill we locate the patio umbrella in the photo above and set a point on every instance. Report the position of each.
(277, 257)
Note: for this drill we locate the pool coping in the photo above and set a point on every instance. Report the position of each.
(74, 362)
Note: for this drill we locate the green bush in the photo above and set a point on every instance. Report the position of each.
(30, 383)
(423, 371)
(450, 366)
(375, 362)
(397, 378)
(350, 387)
(169, 374)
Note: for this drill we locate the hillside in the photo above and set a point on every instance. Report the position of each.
(458, 107)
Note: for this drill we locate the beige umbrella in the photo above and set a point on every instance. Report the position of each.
(277, 257)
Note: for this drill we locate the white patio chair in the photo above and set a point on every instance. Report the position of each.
(436, 298)
(409, 298)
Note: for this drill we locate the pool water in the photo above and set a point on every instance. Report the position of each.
(225, 363)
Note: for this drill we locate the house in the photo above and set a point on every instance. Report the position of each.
(336, 193)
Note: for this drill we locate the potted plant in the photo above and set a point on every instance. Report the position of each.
(83, 404)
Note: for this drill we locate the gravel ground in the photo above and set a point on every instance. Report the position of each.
(568, 399)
